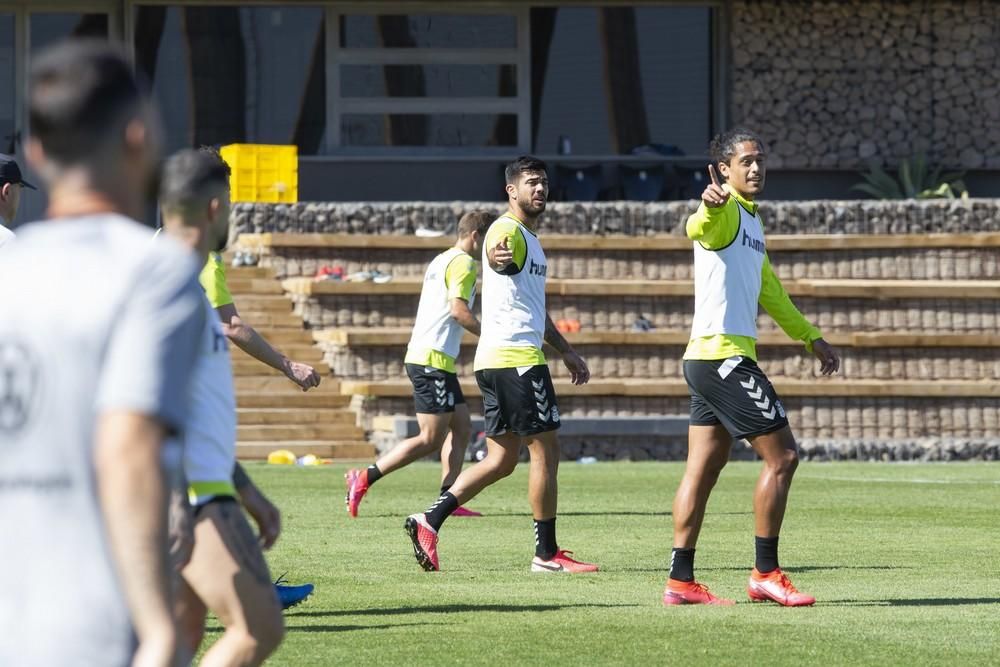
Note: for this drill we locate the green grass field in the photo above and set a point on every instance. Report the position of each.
(904, 560)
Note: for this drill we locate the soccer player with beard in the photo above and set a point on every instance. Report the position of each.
(519, 402)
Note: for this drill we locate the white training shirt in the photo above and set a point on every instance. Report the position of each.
(513, 317)
(95, 319)
(434, 328)
(727, 282)
(210, 433)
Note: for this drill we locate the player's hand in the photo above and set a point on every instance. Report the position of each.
(160, 649)
(302, 374)
(180, 530)
(829, 359)
(579, 372)
(264, 513)
(500, 256)
(714, 195)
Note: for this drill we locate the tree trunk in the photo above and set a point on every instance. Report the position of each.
(623, 79)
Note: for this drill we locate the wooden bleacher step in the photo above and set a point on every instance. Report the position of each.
(273, 413)
(347, 449)
(328, 416)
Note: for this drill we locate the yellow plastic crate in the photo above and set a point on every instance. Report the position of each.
(263, 173)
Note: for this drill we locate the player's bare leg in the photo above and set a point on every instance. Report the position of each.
(708, 453)
(190, 613)
(767, 581)
(543, 480)
(543, 494)
(501, 459)
(455, 445)
(778, 452)
(434, 428)
(228, 573)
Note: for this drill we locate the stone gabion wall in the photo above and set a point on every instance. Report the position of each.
(633, 218)
(839, 84)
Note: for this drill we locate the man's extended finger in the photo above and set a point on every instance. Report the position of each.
(712, 175)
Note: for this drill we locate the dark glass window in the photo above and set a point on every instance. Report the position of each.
(227, 74)
(474, 31)
(610, 79)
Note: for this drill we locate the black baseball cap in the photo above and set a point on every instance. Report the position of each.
(11, 173)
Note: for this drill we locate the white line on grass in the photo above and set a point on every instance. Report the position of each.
(890, 480)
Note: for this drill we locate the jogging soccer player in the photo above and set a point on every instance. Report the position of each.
(226, 571)
(244, 336)
(97, 344)
(730, 395)
(444, 311)
(519, 402)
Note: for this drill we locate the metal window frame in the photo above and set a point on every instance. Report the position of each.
(121, 24)
(337, 56)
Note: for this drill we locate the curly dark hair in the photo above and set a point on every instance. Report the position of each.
(522, 165)
(723, 146)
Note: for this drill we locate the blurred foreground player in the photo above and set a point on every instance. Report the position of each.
(98, 339)
(226, 572)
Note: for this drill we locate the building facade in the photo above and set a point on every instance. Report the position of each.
(423, 100)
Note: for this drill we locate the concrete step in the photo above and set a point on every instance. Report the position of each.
(328, 449)
(289, 432)
(253, 416)
(295, 399)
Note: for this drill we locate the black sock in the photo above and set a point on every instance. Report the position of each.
(374, 474)
(767, 554)
(545, 538)
(441, 510)
(682, 564)
(444, 489)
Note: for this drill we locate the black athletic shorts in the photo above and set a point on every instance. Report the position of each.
(434, 391)
(733, 392)
(516, 402)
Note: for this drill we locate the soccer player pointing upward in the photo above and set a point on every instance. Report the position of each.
(730, 395)
(519, 402)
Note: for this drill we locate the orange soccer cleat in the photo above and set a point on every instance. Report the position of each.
(776, 587)
(690, 592)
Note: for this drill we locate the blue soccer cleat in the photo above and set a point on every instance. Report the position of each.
(289, 596)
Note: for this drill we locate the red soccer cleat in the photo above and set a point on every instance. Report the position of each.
(775, 586)
(461, 511)
(425, 540)
(357, 487)
(561, 562)
(690, 592)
